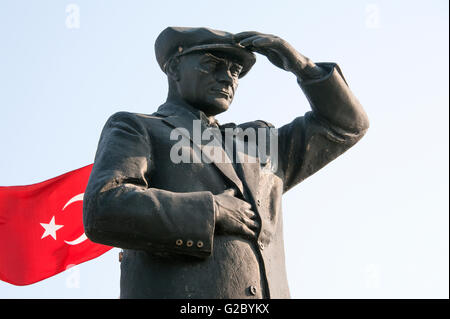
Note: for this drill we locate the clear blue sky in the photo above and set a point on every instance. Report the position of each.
(372, 224)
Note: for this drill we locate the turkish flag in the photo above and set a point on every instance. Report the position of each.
(41, 228)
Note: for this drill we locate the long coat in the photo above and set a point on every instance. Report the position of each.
(162, 213)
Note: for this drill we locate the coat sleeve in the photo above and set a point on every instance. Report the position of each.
(337, 121)
(121, 208)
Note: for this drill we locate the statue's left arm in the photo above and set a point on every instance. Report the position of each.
(337, 120)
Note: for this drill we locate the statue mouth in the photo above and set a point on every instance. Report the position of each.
(222, 92)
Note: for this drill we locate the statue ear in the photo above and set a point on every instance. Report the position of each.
(172, 70)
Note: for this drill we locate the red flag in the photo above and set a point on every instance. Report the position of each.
(41, 228)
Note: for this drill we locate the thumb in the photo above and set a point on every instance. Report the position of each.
(229, 192)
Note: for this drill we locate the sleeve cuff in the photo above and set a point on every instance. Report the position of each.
(329, 68)
(195, 235)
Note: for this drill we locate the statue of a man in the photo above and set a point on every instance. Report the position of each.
(199, 226)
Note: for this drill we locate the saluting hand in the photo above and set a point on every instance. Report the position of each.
(280, 53)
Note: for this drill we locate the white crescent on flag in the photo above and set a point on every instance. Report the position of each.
(83, 237)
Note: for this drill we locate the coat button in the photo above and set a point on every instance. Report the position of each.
(179, 242)
(199, 244)
(252, 290)
(189, 243)
(261, 245)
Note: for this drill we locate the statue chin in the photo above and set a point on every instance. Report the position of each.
(213, 108)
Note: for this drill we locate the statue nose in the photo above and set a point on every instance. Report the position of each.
(224, 76)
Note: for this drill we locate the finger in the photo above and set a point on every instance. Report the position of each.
(252, 224)
(273, 57)
(263, 42)
(246, 205)
(249, 222)
(247, 231)
(250, 214)
(249, 41)
(242, 35)
(243, 205)
(245, 220)
(229, 192)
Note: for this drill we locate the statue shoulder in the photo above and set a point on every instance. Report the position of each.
(131, 118)
(264, 123)
(122, 116)
(256, 124)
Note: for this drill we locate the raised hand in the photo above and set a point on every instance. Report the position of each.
(280, 53)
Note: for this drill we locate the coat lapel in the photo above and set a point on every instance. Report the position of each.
(249, 169)
(181, 121)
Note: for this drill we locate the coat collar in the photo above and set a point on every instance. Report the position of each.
(186, 110)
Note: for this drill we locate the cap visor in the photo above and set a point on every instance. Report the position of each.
(243, 55)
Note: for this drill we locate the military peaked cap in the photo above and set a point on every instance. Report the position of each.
(178, 41)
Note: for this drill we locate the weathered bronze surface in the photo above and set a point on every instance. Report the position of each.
(208, 227)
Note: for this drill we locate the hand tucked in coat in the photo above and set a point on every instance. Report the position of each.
(233, 216)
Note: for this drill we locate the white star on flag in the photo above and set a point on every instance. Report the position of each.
(50, 228)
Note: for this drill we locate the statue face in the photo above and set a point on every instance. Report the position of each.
(208, 82)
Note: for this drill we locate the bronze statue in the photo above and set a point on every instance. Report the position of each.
(202, 226)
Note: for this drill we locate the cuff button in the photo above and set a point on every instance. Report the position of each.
(199, 244)
(179, 242)
(189, 243)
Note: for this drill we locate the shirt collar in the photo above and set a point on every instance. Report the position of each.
(169, 108)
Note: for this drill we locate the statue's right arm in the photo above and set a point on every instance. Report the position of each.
(121, 209)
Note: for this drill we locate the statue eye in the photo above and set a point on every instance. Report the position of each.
(209, 64)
